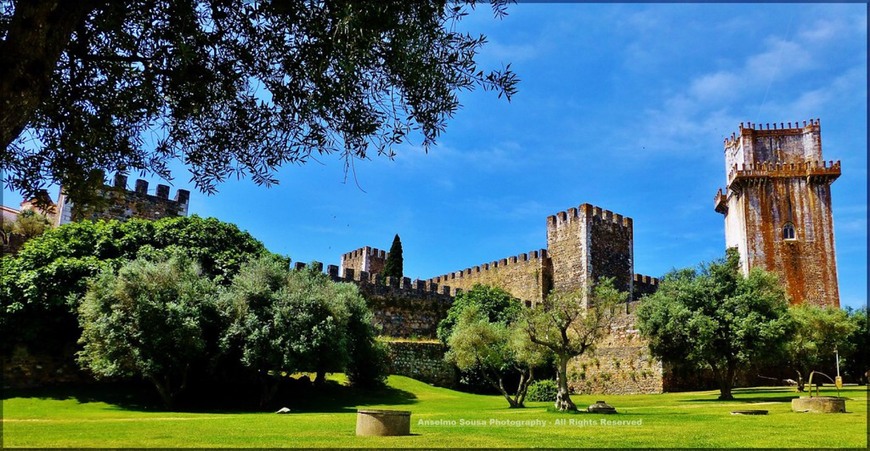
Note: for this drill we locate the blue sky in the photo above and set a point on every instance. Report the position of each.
(624, 106)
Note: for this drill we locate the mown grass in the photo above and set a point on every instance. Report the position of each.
(695, 419)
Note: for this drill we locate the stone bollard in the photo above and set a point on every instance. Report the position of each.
(383, 422)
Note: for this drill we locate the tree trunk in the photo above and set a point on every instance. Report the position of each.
(563, 397)
(726, 382)
(164, 391)
(38, 33)
(523, 386)
(320, 378)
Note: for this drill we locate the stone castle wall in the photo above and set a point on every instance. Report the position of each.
(620, 364)
(526, 276)
(421, 360)
(401, 308)
(120, 203)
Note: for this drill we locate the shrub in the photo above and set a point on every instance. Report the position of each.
(542, 391)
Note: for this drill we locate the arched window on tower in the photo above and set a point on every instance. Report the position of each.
(788, 231)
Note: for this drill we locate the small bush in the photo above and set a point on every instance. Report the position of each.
(543, 390)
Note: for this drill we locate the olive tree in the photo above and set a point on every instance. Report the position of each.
(818, 333)
(147, 321)
(492, 349)
(284, 320)
(568, 328)
(715, 318)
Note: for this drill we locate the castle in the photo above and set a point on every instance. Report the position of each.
(777, 207)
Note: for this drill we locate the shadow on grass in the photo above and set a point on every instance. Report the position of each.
(133, 396)
(752, 395)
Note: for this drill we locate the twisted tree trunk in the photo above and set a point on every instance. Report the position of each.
(38, 33)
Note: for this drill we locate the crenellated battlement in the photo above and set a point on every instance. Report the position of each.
(647, 280)
(124, 203)
(365, 250)
(750, 129)
(370, 283)
(828, 170)
(587, 211)
(525, 259)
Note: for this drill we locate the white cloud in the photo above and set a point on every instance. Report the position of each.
(715, 86)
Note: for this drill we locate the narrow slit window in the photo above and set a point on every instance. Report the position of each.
(788, 231)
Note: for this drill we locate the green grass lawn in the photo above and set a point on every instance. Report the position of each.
(440, 418)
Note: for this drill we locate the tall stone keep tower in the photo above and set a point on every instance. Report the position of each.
(587, 243)
(777, 207)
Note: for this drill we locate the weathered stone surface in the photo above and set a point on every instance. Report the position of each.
(122, 204)
(777, 207)
(421, 360)
(620, 364)
(601, 407)
(819, 404)
(383, 422)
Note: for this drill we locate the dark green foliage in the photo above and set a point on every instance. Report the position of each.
(43, 284)
(716, 318)
(394, 267)
(818, 332)
(496, 304)
(291, 321)
(855, 357)
(542, 391)
(231, 88)
(147, 321)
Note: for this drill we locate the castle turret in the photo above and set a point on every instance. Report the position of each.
(588, 243)
(777, 207)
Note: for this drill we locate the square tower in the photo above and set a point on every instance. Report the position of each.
(587, 243)
(366, 258)
(777, 207)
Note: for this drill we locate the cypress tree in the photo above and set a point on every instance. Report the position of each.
(394, 265)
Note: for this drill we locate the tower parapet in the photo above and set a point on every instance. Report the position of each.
(366, 258)
(122, 203)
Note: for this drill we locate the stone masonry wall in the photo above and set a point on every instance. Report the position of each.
(611, 248)
(525, 276)
(122, 204)
(567, 244)
(620, 364)
(421, 360)
(368, 259)
(400, 308)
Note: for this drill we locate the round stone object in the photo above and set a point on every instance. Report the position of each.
(383, 422)
(601, 407)
(819, 404)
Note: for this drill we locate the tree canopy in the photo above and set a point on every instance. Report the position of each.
(41, 286)
(496, 304)
(148, 321)
(818, 333)
(715, 318)
(299, 320)
(492, 349)
(229, 87)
